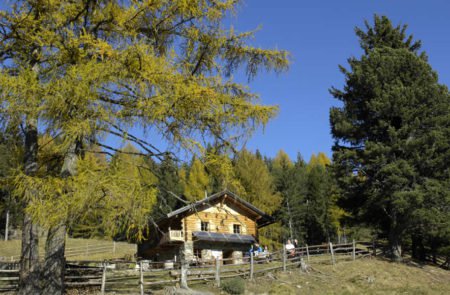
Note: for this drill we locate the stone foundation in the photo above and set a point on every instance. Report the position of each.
(237, 257)
(211, 254)
(189, 250)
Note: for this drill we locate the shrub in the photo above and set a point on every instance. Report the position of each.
(234, 286)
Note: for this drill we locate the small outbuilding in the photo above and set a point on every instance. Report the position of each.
(222, 225)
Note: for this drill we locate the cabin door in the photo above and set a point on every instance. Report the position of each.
(227, 256)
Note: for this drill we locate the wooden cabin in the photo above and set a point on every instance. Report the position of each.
(222, 225)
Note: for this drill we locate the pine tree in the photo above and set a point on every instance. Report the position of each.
(170, 188)
(318, 201)
(11, 154)
(283, 172)
(391, 134)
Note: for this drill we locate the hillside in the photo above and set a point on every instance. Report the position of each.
(367, 276)
(76, 249)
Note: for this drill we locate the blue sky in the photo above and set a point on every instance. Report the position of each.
(320, 36)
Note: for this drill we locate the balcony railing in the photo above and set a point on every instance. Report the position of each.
(172, 236)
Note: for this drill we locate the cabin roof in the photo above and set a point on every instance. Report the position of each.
(263, 219)
(223, 237)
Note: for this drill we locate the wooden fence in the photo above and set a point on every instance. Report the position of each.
(84, 250)
(134, 277)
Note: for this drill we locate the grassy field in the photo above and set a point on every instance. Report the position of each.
(363, 276)
(77, 249)
(366, 276)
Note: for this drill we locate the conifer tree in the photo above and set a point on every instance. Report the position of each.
(257, 187)
(318, 201)
(85, 69)
(283, 174)
(197, 183)
(10, 158)
(391, 134)
(256, 181)
(170, 187)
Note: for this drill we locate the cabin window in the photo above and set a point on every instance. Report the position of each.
(204, 226)
(236, 228)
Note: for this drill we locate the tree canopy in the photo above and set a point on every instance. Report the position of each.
(81, 71)
(391, 134)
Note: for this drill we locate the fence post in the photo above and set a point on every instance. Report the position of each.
(251, 266)
(141, 280)
(104, 278)
(284, 257)
(333, 261)
(307, 252)
(114, 247)
(218, 272)
(183, 269)
(354, 250)
(7, 225)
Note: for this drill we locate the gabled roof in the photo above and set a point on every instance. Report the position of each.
(263, 220)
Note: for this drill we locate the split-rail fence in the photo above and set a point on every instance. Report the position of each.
(138, 277)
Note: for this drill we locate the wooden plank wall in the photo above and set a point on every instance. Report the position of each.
(221, 220)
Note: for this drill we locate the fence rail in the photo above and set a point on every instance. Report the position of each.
(131, 276)
(84, 250)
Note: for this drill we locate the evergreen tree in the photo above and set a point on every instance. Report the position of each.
(391, 134)
(170, 188)
(283, 172)
(318, 201)
(10, 159)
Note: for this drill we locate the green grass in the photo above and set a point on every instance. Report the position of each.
(77, 249)
(363, 276)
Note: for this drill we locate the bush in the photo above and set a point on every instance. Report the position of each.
(234, 286)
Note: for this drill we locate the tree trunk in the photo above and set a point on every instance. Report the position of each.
(395, 246)
(7, 225)
(184, 266)
(290, 218)
(417, 248)
(54, 265)
(29, 278)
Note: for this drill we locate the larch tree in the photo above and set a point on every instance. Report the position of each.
(257, 187)
(392, 134)
(85, 69)
(196, 182)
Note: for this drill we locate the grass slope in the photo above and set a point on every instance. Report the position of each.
(366, 276)
(77, 249)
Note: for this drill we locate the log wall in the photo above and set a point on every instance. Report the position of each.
(221, 219)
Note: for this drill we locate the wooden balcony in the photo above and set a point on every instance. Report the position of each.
(172, 236)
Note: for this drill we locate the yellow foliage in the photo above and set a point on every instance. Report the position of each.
(86, 74)
(197, 182)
